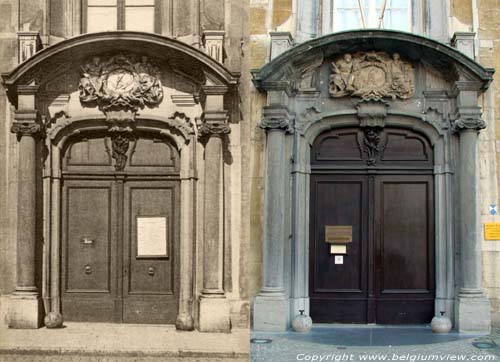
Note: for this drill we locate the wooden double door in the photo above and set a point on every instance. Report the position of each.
(386, 275)
(120, 233)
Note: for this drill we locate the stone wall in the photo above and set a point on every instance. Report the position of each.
(487, 27)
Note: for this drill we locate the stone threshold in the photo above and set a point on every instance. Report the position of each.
(131, 340)
(122, 353)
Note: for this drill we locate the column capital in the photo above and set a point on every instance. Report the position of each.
(276, 118)
(26, 123)
(214, 123)
(467, 119)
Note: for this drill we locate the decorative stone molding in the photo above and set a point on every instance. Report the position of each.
(29, 43)
(372, 75)
(276, 117)
(182, 123)
(468, 118)
(213, 41)
(120, 82)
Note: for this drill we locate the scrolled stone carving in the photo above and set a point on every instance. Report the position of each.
(276, 118)
(120, 82)
(471, 123)
(468, 118)
(26, 128)
(214, 129)
(372, 75)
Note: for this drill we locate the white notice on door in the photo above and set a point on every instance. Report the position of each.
(151, 236)
(339, 259)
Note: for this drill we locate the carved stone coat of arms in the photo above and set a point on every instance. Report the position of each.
(120, 82)
(372, 75)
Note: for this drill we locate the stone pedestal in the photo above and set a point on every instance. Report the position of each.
(271, 311)
(214, 314)
(473, 312)
(25, 310)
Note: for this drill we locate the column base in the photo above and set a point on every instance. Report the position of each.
(25, 311)
(214, 314)
(473, 313)
(271, 312)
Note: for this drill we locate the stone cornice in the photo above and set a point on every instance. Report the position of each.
(87, 44)
(411, 46)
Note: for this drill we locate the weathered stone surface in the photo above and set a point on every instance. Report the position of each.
(214, 315)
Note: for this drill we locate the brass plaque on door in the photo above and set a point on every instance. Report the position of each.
(339, 234)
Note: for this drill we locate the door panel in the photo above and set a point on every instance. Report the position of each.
(387, 275)
(149, 228)
(404, 249)
(338, 291)
(89, 267)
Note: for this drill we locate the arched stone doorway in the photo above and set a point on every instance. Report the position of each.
(372, 79)
(136, 124)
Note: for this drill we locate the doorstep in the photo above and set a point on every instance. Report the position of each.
(124, 339)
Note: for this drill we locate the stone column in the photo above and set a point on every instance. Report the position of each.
(214, 307)
(473, 307)
(271, 306)
(25, 310)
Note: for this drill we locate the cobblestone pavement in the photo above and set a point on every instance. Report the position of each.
(368, 344)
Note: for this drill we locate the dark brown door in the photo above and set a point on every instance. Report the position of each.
(387, 273)
(119, 234)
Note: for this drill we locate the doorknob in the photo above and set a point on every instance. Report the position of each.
(88, 269)
(151, 271)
